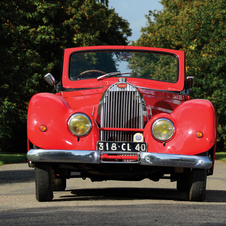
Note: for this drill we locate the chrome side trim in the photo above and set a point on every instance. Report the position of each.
(63, 156)
(94, 157)
(171, 160)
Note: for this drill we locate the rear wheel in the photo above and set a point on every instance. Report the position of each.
(197, 185)
(43, 182)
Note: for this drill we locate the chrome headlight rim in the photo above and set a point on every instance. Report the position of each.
(162, 119)
(80, 114)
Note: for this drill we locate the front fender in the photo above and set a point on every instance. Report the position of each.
(189, 117)
(53, 111)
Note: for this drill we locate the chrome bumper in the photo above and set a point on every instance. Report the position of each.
(94, 157)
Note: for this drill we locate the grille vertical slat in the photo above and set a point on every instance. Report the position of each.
(113, 112)
(136, 110)
(121, 108)
(129, 112)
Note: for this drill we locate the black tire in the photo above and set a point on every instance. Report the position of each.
(59, 184)
(43, 182)
(197, 185)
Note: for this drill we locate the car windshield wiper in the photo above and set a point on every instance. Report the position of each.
(112, 74)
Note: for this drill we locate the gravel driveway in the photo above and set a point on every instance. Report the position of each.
(109, 203)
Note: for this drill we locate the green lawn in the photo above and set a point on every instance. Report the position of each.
(221, 156)
(12, 158)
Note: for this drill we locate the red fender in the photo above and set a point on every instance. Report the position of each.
(53, 111)
(189, 118)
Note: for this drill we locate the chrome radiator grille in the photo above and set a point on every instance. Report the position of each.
(121, 108)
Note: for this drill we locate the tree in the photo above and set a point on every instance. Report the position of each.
(197, 27)
(154, 66)
(33, 35)
(104, 2)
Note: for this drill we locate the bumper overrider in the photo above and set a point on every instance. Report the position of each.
(97, 157)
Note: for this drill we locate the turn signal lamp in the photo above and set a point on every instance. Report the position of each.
(43, 128)
(79, 124)
(163, 129)
(199, 134)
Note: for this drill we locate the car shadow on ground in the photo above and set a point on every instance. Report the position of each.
(136, 194)
(16, 176)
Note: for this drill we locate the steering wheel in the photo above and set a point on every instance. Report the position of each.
(85, 72)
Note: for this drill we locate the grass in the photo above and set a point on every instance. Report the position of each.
(12, 158)
(221, 156)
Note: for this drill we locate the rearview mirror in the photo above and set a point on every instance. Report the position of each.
(190, 82)
(50, 79)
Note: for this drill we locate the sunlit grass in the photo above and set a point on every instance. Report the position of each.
(12, 158)
(221, 156)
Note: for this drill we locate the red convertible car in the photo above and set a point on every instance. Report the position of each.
(121, 113)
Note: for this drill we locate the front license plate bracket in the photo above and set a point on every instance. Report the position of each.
(121, 146)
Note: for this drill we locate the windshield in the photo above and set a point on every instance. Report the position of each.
(139, 64)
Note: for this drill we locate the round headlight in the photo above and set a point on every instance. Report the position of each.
(79, 124)
(163, 129)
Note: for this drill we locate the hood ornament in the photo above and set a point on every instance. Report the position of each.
(122, 79)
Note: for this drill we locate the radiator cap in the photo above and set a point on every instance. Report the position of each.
(122, 79)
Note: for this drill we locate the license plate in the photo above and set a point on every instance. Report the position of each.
(121, 146)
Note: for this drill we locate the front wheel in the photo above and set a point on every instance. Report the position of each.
(43, 182)
(197, 185)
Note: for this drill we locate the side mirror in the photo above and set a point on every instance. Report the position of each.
(190, 82)
(50, 79)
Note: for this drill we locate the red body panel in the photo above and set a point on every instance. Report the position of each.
(54, 111)
(190, 117)
(159, 101)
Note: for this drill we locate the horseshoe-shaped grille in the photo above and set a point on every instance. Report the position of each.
(121, 108)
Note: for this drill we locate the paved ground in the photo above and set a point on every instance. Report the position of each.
(109, 203)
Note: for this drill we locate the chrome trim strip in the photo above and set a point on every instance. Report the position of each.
(63, 156)
(162, 109)
(171, 160)
(94, 157)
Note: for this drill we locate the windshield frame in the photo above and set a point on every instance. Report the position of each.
(178, 85)
(123, 72)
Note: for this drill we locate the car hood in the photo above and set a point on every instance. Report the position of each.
(88, 99)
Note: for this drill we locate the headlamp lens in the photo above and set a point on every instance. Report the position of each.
(79, 124)
(163, 129)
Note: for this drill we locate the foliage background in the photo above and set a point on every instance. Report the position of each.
(33, 34)
(197, 27)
